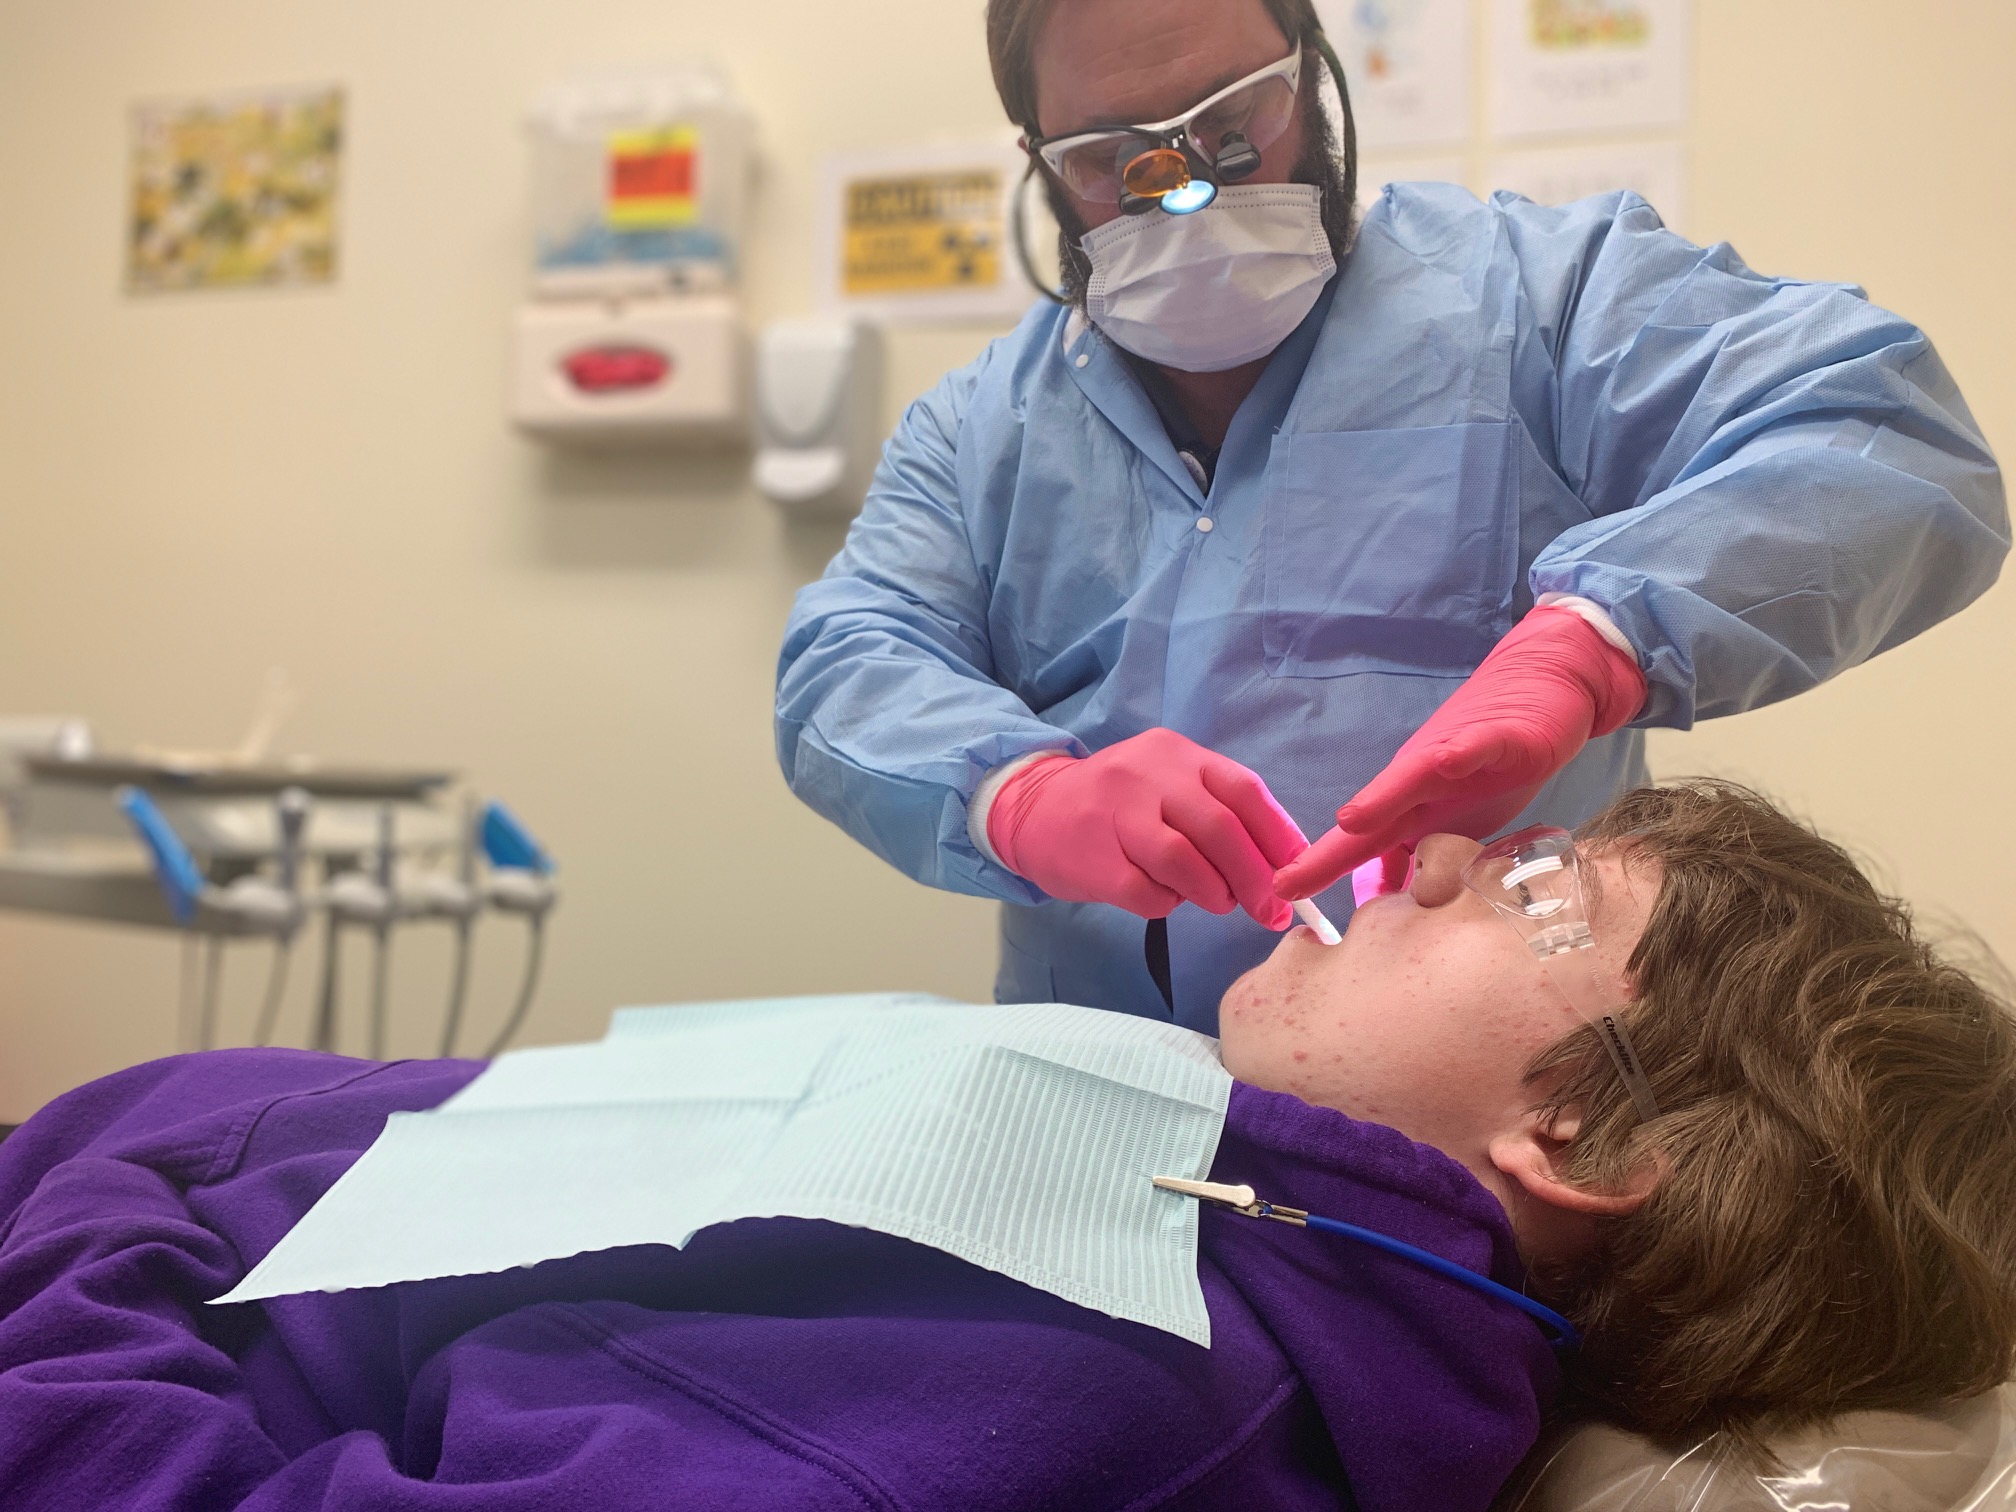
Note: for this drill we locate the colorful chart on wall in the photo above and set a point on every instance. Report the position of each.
(1588, 65)
(920, 234)
(235, 191)
(1559, 175)
(1408, 64)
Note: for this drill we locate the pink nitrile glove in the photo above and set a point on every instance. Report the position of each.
(1146, 825)
(1543, 693)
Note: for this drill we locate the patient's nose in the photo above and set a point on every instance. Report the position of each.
(1438, 869)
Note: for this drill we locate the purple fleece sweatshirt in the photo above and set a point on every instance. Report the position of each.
(781, 1365)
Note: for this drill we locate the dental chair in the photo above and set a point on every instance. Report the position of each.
(1959, 1459)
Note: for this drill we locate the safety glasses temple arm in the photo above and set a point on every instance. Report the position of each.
(1574, 976)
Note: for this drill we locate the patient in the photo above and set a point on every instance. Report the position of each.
(1821, 1218)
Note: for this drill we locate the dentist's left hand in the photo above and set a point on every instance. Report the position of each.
(1543, 693)
(1146, 825)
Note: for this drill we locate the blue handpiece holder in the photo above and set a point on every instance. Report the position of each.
(508, 844)
(174, 867)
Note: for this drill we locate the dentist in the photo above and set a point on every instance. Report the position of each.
(1429, 517)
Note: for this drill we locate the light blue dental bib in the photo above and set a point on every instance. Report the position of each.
(1023, 1139)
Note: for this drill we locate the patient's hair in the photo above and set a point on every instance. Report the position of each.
(1834, 1225)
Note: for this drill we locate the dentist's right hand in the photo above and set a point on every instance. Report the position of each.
(1146, 825)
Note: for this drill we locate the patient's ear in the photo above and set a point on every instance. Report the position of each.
(1536, 1153)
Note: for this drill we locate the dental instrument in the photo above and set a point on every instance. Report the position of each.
(374, 889)
(381, 932)
(247, 905)
(1307, 911)
(369, 899)
(458, 900)
(521, 884)
(322, 1028)
(1155, 946)
(292, 808)
(1243, 1201)
(68, 848)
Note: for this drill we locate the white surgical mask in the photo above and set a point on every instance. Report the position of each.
(1213, 290)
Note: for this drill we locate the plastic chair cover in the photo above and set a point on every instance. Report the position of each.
(1960, 1459)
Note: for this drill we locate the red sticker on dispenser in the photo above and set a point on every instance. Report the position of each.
(617, 369)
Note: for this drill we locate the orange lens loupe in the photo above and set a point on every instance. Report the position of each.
(1156, 173)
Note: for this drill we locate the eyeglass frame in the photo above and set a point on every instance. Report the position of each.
(1018, 215)
(1173, 133)
(1565, 958)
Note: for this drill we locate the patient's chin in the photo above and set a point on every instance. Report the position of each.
(1247, 1026)
(1235, 1008)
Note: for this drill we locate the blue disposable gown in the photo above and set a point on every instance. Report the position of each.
(1763, 482)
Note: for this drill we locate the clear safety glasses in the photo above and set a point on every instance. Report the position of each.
(1179, 163)
(1534, 881)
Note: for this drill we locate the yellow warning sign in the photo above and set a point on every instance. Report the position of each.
(921, 233)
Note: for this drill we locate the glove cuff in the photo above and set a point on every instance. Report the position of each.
(1011, 801)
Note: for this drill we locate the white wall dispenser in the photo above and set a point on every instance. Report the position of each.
(639, 199)
(818, 414)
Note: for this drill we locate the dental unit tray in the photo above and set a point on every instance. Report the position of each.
(376, 784)
(71, 848)
(239, 845)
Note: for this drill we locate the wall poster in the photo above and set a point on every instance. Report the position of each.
(1588, 66)
(235, 190)
(1408, 64)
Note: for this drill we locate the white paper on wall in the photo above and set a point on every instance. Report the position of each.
(1559, 175)
(1588, 65)
(1408, 64)
(1375, 173)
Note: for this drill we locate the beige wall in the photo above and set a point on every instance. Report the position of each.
(194, 488)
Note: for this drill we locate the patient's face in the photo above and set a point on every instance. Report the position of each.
(1428, 1014)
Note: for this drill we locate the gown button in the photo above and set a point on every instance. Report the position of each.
(1205, 526)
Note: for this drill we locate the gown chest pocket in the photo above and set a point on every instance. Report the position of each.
(1388, 551)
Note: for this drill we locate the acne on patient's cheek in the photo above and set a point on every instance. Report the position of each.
(1275, 1016)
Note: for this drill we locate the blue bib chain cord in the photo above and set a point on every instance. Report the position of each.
(1241, 1200)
